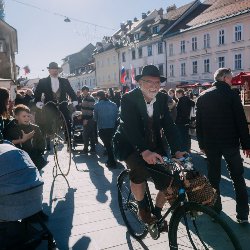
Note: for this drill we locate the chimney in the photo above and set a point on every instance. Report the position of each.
(160, 12)
(171, 7)
(143, 15)
(135, 19)
(123, 26)
(129, 22)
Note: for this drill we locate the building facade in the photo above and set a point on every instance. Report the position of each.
(107, 65)
(8, 49)
(213, 40)
(85, 76)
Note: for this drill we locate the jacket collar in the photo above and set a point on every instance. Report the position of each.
(221, 84)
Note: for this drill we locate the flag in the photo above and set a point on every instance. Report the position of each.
(123, 75)
(132, 74)
(26, 70)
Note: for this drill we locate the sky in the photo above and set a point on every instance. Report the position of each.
(43, 36)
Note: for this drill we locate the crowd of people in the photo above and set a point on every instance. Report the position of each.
(138, 127)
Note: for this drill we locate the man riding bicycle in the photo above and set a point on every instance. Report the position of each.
(55, 89)
(138, 140)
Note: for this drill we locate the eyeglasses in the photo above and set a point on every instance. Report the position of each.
(151, 82)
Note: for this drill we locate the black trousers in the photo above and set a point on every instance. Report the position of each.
(185, 137)
(89, 134)
(106, 137)
(235, 167)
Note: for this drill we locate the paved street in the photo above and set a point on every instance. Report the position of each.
(86, 215)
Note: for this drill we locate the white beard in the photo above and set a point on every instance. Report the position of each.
(148, 94)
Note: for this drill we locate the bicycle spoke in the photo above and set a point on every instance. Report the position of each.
(129, 208)
(198, 227)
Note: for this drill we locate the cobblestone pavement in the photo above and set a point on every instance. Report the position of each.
(86, 215)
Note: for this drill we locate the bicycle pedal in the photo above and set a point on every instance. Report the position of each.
(154, 231)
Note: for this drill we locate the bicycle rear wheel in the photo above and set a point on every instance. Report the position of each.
(129, 208)
(194, 226)
(62, 146)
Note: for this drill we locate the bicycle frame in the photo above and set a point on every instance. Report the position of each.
(181, 198)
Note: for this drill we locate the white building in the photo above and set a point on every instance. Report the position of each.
(85, 77)
(107, 65)
(219, 37)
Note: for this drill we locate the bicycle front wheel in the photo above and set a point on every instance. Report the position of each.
(128, 207)
(195, 226)
(62, 147)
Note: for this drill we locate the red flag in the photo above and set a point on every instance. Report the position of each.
(123, 75)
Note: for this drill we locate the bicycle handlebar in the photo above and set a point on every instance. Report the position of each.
(185, 162)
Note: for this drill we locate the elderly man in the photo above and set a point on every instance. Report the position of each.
(55, 89)
(138, 141)
(221, 127)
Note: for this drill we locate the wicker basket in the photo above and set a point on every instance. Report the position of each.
(198, 189)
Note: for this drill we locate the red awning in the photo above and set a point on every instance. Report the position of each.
(194, 85)
(241, 78)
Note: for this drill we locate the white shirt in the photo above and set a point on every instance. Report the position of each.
(54, 84)
(150, 107)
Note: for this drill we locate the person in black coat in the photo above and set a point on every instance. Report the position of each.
(54, 89)
(221, 128)
(182, 120)
(138, 141)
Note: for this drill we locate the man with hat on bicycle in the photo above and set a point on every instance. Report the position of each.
(55, 89)
(144, 113)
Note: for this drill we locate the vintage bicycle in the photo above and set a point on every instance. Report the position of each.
(61, 138)
(192, 225)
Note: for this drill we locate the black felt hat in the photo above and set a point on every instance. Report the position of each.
(53, 65)
(150, 70)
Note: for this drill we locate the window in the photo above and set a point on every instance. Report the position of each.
(183, 69)
(161, 69)
(155, 29)
(171, 49)
(206, 66)
(221, 61)
(237, 33)
(237, 61)
(137, 36)
(133, 54)
(150, 52)
(171, 70)
(194, 43)
(221, 37)
(140, 52)
(183, 46)
(123, 56)
(195, 67)
(206, 41)
(160, 48)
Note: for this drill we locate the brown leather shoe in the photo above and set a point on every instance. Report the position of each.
(145, 215)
